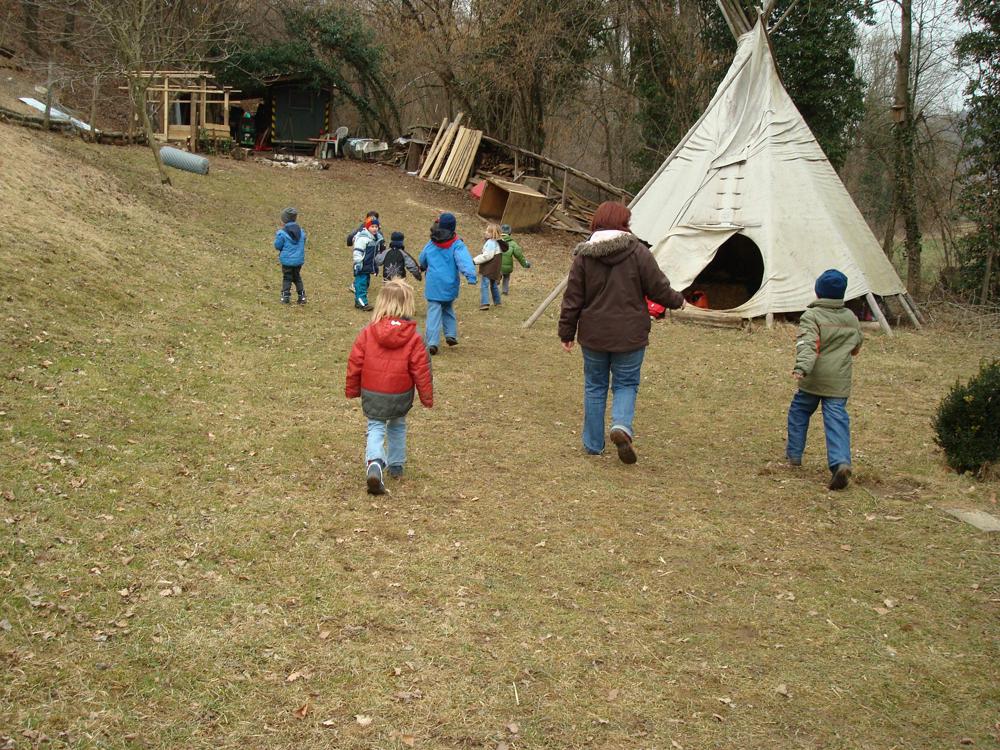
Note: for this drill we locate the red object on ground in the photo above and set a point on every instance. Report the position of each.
(655, 310)
(699, 299)
(476, 191)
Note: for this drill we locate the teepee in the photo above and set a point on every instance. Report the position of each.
(748, 209)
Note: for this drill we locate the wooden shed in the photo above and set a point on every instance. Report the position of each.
(298, 112)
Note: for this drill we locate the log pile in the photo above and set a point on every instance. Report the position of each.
(113, 138)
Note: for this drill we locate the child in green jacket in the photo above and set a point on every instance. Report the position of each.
(829, 338)
(507, 259)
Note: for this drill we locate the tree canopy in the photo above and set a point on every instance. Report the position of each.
(980, 49)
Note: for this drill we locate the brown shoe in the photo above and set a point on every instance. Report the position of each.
(841, 476)
(623, 442)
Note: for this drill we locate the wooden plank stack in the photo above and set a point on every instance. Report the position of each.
(452, 154)
(463, 153)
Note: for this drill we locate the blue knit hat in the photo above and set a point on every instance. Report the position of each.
(447, 221)
(396, 239)
(831, 284)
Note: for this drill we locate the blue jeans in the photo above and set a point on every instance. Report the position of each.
(361, 289)
(381, 432)
(622, 370)
(836, 425)
(440, 314)
(487, 287)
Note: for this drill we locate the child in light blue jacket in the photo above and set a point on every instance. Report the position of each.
(290, 242)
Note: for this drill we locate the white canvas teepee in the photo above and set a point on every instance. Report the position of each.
(750, 166)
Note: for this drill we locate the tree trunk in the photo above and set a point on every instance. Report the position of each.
(29, 12)
(984, 297)
(69, 26)
(889, 239)
(905, 187)
(138, 93)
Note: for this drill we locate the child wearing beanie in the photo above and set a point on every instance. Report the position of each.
(368, 243)
(443, 259)
(512, 253)
(290, 242)
(829, 337)
(395, 261)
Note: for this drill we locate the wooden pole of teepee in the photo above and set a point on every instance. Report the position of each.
(879, 315)
(48, 98)
(546, 302)
(909, 311)
(916, 310)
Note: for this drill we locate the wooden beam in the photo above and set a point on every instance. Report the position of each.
(606, 186)
(93, 107)
(782, 17)
(545, 303)
(193, 125)
(165, 119)
(877, 312)
(911, 314)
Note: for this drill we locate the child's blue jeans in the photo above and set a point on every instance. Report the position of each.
(489, 286)
(440, 314)
(836, 425)
(386, 441)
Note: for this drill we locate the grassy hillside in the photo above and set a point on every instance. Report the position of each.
(188, 558)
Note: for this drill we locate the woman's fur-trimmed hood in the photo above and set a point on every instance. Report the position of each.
(611, 251)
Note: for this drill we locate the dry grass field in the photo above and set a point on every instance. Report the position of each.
(188, 558)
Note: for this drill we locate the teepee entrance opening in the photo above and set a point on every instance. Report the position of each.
(731, 278)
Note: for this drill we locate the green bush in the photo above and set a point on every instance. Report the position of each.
(967, 424)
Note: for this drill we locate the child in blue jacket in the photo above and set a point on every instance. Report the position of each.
(290, 242)
(442, 260)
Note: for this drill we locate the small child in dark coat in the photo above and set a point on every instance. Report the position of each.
(395, 261)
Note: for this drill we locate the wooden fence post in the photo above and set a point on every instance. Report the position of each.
(48, 97)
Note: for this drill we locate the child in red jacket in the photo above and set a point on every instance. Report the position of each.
(388, 360)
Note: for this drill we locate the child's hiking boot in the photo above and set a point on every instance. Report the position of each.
(302, 299)
(432, 349)
(794, 460)
(484, 307)
(623, 442)
(285, 299)
(395, 470)
(841, 477)
(451, 341)
(374, 478)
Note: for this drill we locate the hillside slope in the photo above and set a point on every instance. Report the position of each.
(188, 557)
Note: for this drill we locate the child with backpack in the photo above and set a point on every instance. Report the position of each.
(829, 338)
(387, 363)
(489, 263)
(395, 261)
(368, 244)
(442, 260)
(512, 253)
(290, 242)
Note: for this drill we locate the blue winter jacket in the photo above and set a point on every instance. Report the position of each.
(443, 265)
(290, 242)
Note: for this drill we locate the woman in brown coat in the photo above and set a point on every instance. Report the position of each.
(604, 308)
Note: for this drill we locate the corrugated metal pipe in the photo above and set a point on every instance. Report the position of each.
(174, 157)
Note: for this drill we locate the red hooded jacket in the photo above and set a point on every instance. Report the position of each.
(387, 361)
